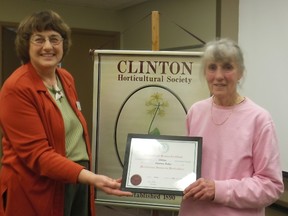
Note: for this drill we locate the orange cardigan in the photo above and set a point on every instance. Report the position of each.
(34, 167)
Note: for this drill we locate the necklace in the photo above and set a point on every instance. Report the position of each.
(54, 89)
(57, 92)
(238, 101)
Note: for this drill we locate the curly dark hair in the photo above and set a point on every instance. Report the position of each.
(38, 22)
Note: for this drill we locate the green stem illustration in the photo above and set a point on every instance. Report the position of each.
(154, 116)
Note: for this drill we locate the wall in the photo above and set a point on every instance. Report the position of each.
(134, 23)
(198, 17)
(263, 34)
(206, 19)
(229, 19)
(264, 42)
(75, 16)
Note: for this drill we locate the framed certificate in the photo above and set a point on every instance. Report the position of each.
(161, 164)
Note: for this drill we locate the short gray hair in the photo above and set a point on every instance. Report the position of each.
(223, 50)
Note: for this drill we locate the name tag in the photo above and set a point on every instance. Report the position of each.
(78, 105)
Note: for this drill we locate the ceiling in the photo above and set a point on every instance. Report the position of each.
(102, 4)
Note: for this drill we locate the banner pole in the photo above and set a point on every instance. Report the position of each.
(155, 30)
(155, 47)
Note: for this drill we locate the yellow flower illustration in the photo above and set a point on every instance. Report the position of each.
(157, 106)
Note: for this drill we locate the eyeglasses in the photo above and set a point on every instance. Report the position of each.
(40, 40)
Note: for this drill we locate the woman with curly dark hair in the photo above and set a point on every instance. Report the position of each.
(46, 147)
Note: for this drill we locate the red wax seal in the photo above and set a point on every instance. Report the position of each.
(136, 179)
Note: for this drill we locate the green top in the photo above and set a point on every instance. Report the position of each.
(74, 140)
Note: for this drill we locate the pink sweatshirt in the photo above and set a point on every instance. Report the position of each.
(241, 156)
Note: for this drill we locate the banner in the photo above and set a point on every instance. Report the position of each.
(142, 92)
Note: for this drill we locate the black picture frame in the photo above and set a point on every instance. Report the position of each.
(162, 164)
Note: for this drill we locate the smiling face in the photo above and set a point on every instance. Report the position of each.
(223, 67)
(222, 79)
(45, 53)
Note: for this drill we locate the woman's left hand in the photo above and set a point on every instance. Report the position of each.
(202, 189)
(110, 186)
(102, 182)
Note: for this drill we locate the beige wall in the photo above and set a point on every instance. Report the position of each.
(229, 19)
(198, 17)
(134, 23)
(75, 16)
